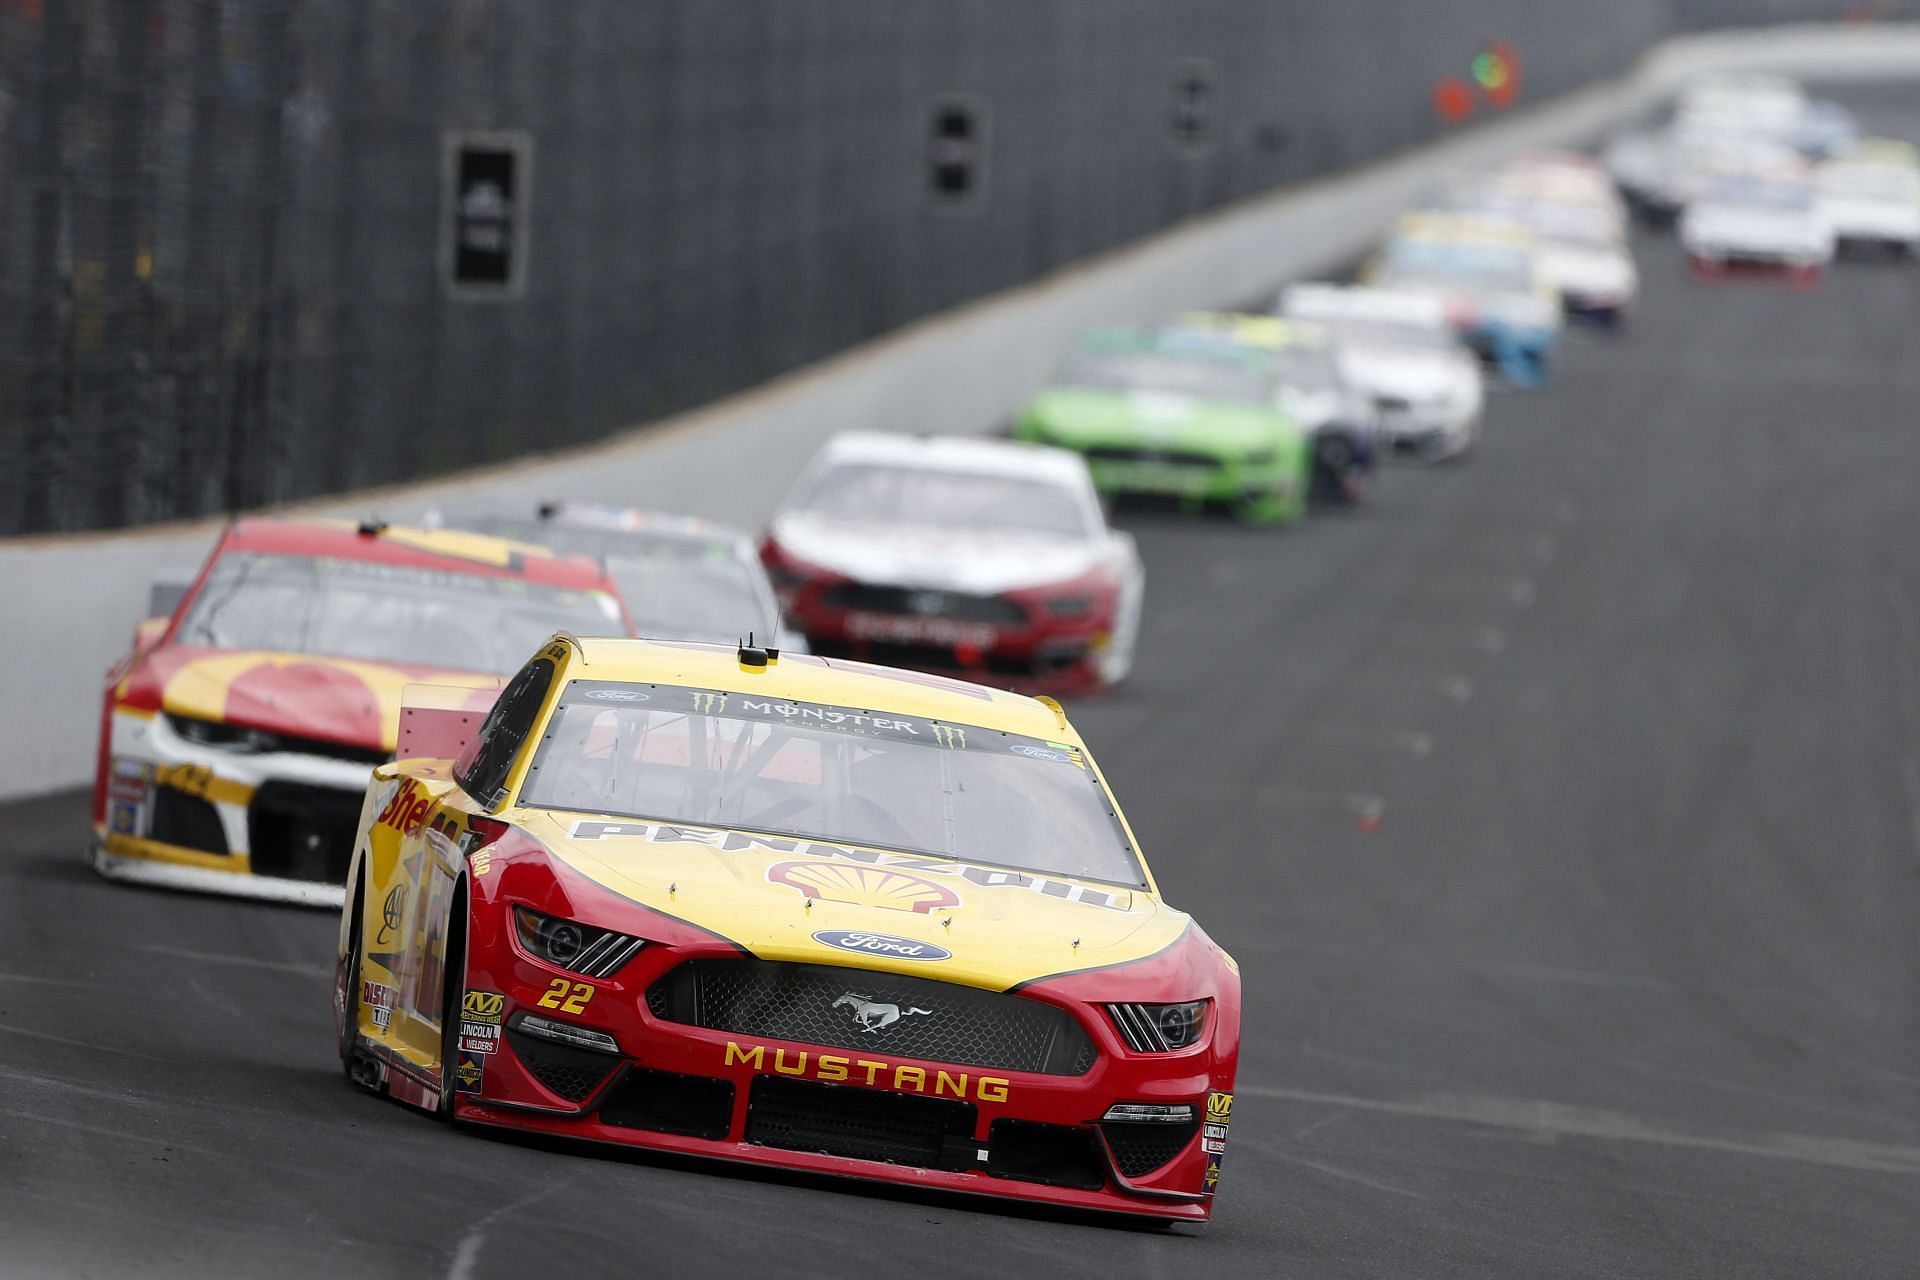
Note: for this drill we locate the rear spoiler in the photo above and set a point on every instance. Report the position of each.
(439, 721)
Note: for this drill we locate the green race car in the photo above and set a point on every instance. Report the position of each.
(1177, 415)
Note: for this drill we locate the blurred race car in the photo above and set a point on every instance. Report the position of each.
(1871, 198)
(1758, 223)
(238, 735)
(1579, 228)
(1397, 349)
(1765, 108)
(983, 557)
(1487, 274)
(1313, 392)
(1159, 413)
(790, 911)
(683, 578)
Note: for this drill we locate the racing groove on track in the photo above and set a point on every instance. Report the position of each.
(1625, 981)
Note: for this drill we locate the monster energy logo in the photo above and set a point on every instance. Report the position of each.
(709, 703)
(949, 736)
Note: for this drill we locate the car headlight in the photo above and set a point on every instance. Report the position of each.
(578, 948)
(1161, 1028)
(232, 737)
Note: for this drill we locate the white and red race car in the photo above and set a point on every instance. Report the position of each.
(982, 558)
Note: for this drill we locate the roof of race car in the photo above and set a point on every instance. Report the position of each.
(1464, 228)
(809, 678)
(957, 453)
(1266, 332)
(657, 524)
(1363, 302)
(444, 549)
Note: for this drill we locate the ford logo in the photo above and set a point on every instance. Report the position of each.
(1037, 753)
(616, 695)
(881, 944)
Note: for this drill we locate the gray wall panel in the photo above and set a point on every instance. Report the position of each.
(222, 217)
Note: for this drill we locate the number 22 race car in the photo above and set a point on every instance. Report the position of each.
(787, 910)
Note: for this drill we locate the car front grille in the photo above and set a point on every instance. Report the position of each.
(957, 606)
(819, 1004)
(570, 1073)
(301, 832)
(667, 1102)
(860, 1124)
(1158, 457)
(1139, 1149)
(186, 821)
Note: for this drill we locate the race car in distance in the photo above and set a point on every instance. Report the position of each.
(238, 735)
(1579, 227)
(1398, 349)
(1488, 276)
(682, 578)
(1871, 197)
(1313, 393)
(788, 910)
(984, 558)
(1764, 223)
(1172, 415)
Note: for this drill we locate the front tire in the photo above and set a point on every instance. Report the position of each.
(454, 984)
(346, 991)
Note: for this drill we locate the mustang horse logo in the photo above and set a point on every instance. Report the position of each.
(872, 1016)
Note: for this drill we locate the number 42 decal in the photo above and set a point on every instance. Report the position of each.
(571, 996)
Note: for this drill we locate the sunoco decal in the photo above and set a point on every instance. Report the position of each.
(881, 944)
(740, 842)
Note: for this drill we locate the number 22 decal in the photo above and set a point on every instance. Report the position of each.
(571, 996)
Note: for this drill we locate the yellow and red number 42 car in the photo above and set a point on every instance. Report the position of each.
(793, 911)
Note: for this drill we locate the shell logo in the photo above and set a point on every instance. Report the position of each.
(863, 886)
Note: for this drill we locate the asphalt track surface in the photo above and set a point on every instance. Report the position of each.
(1562, 808)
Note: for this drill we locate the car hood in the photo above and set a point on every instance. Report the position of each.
(1144, 419)
(1740, 225)
(973, 561)
(1409, 375)
(799, 900)
(341, 700)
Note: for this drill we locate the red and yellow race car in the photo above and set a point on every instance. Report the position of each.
(796, 911)
(238, 735)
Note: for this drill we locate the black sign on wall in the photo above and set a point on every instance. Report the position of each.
(486, 183)
(1196, 94)
(957, 152)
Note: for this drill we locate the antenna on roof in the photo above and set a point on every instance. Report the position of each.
(756, 657)
(547, 510)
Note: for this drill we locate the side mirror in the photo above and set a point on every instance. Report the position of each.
(147, 633)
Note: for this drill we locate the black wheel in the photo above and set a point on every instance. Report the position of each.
(346, 990)
(1336, 473)
(453, 981)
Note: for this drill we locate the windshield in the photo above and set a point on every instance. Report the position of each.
(386, 612)
(673, 754)
(1168, 373)
(1750, 192)
(1475, 266)
(1871, 181)
(946, 499)
(1306, 368)
(1370, 333)
(694, 593)
(676, 587)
